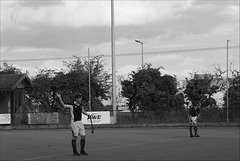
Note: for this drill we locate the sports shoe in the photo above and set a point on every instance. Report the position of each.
(196, 135)
(76, 154)
(191, 135)
(83, 152)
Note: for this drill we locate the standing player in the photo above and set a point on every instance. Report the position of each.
(193, 114)
(76, 110)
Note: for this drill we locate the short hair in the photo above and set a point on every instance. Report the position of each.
(79, 95)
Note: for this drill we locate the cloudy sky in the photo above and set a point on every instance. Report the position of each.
(180, 35)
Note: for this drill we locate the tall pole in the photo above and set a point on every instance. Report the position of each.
(227, 83)
(0, 60)
(89, 81)
(142, 54)
(239, 59)
(113, 63)
(138, 41)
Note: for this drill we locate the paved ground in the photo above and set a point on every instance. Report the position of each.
(215, 143)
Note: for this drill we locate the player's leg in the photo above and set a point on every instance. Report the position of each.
(74, 146)
(83, 139)
(195, 130)
(190, 127)
(74, 139)
(82, 144)
(190, 130)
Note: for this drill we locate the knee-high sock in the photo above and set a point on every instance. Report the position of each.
(195, 130)
(74, 146)
(190, 129)
(82, 144)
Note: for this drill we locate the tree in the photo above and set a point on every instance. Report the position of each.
(199, 91)
(147, 90)
(77, 79)
(129, 91)
(71, 82)
(179, 102)
(233, 97)
(9, 69)
(42, 92)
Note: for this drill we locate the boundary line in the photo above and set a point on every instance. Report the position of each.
(120, 146)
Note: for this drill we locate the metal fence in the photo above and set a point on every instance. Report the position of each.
(207, 115)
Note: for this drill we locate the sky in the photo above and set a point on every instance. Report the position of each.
(182, 36)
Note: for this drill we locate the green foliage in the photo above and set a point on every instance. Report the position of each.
(199, 91)
(179, 102)
(42, 92)
(9, 69)
(233, 97)
(147, 90)
(208, 115)
(68, 84)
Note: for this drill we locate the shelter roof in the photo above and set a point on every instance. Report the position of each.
(9, 82)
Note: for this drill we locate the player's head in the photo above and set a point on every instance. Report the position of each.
(78, 97)
(197, 106)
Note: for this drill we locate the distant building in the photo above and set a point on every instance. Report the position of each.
(203, 76)
(182, 84)
(12, 94)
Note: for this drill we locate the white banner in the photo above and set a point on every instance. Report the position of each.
(98, 117)
(5, 118)
(43, 118)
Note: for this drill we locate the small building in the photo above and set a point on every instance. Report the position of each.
(12, 94)
(203, 76)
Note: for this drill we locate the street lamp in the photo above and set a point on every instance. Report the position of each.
(138, 41)
(227, 82)
(113, 63)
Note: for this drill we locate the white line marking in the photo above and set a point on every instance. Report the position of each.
(107, 148)
(120, 146)
(47, 156)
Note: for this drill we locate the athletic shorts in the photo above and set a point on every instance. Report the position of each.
(77, 128)
(193, 120)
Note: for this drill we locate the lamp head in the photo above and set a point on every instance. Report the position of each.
(138, 41)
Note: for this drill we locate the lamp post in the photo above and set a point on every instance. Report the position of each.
(138, 41)
(113, 63)
(227, 82)
(89, 81)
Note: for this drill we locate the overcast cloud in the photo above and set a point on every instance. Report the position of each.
(41, 29)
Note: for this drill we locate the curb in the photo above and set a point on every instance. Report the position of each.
(33, 127)
(146, 125)
(218, 124)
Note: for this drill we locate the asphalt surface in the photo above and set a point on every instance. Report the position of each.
(165, 143)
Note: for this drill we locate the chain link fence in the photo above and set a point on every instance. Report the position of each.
(207, 115)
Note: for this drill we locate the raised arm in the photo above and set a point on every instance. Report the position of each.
(61, 101)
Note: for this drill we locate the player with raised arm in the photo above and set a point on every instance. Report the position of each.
(193, 115)
(76, 110)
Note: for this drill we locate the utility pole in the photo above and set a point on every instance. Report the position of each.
(113, 63)
(227, 84)
(0, 61)
(89, 81)
(138, 41)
